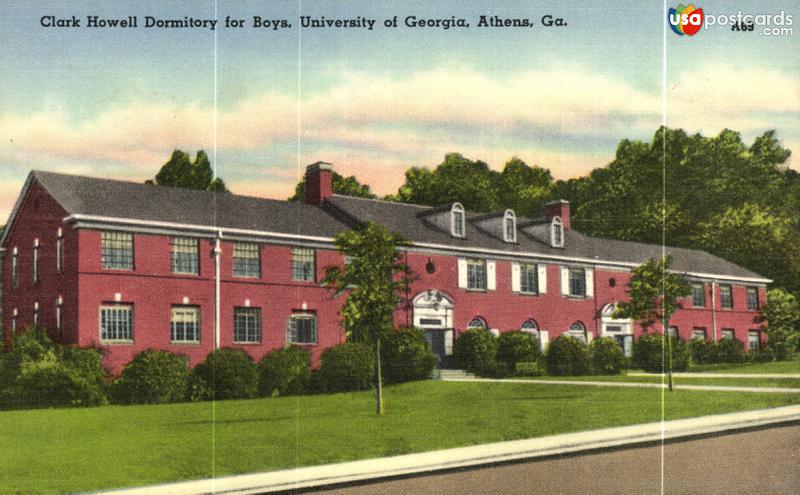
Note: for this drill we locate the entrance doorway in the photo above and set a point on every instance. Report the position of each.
(620, 329)
(433, 314)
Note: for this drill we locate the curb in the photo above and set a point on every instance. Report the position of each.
(477, 455)
(689, 374)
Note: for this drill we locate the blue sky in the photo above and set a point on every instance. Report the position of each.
(116, 102)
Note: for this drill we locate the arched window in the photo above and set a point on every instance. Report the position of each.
(457, 220)
(578, 331)
(557, 232)
(530, 326)
(509, 226)
(477, 323)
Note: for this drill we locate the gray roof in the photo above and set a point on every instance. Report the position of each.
(405, 219)
(118, 199)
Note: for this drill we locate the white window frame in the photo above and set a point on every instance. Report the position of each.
(702, 288)
(757, 305)
(530, 267)
(572, 270)
(696, 333)
(36, 314)
(36, 261)
(721, 300)
(243, 252)
(14, 268)
(753, 336)
(307, 275)
(116, 308)
(482, 325)
(113, 241)
(58, 313)
(471, 280)
(59, 251)
(577, 330)
(247, 330)
(188, 248)
(556, 232)
(509, 219)
(292, 331)
(728, 333)
(457, 225)
(183, 311)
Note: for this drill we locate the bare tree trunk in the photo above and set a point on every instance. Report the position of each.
(378, 379)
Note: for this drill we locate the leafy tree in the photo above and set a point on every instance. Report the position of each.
(374, 280)
(180, 171)
(346, 186)
(654, 294)
(782, 314)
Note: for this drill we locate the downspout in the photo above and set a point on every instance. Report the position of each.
(217, 253)
(714, 310)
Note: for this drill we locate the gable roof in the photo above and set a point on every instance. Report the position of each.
(137, 202)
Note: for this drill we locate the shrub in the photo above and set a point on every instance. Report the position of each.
(567, 356)
(703, 351)
(528, 368)
(517, 346)
(607, 357)
(648, 353)
(782, 342)
(152, 377)
(406, 356)
(346, 367)
(285, 372)
(39, 373)
(224, 374)
(475, 350)
(730, 351)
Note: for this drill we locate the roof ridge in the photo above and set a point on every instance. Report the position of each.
(379, 200)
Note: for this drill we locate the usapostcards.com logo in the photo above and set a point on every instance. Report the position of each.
(685, 20)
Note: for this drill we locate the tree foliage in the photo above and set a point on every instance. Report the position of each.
(654, 294)
(346, 186)
(180, 171)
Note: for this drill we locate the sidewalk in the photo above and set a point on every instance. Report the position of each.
(716, 388)
(477, 455)
(689, 374)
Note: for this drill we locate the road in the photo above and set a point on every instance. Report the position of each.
(763, 461)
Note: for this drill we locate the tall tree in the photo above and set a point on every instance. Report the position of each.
(782, 315)
(346, 186)
(374, 279)
(180, 171)
(655, 294)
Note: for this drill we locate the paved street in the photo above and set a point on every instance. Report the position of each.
(756, 462)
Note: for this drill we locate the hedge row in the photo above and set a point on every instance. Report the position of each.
(39, 373)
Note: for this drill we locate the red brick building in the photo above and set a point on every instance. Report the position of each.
(128, 267)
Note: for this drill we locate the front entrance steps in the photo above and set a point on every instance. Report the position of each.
(446, 374)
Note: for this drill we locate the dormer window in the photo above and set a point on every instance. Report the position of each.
(556, 232)
(457, 221)
(509, 226)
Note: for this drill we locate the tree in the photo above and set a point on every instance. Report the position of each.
(180, 171)
(655, 294)
(346, 186)
(374, 278)
(782, 315)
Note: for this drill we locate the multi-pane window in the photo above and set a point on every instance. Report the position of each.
(247, 325)
(672, 331)
(117, 250)
(727, 333)
(698, 295)
(14, 267)
(303, 266)
(457, 213)
(185, 255)
(557, 232)
(302, 329)
(116, 323)
(246, 260)
(752, 298)
(36, 261)
(477, 323)
(577, 282)
(578, 331)
(753, 341)
(185, 324)
(699, 333)
(510, 229)
(528, 282)
(725, 296)
(476, 274)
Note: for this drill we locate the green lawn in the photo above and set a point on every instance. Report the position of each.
(792, 366)
(117, 446)
(685, 380)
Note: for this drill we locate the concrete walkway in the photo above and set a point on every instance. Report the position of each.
(689, 374)
(477, 455)
(718, 388)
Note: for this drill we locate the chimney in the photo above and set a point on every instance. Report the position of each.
(319, 183)
(558, 208)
